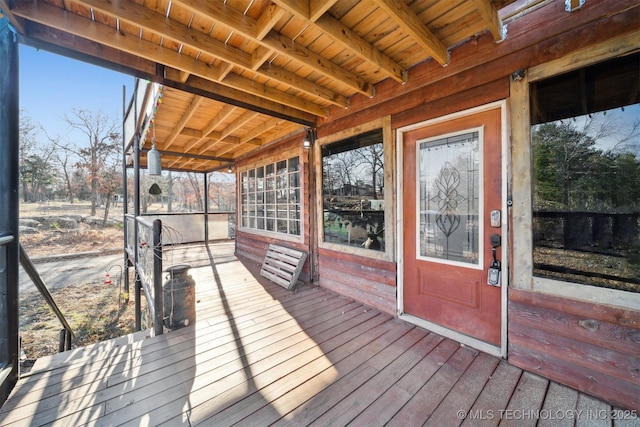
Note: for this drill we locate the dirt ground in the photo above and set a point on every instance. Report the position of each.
(95, 310)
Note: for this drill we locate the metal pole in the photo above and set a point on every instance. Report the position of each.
(33, 274)
(157, 278)
(9, 209)
(125, 194)
(136, 210)
(206, 207)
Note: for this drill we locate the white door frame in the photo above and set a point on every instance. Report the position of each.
(500, 351)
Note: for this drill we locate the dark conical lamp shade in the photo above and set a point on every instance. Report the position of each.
(155, 189)
(154, 165)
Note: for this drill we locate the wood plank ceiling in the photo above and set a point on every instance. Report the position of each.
(238, 74)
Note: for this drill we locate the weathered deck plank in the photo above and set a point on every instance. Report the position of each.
(260, 355)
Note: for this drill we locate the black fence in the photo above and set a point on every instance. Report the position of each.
(601, 233)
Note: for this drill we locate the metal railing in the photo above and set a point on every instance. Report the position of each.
(66, 334)
(146, 257)
(6, 367)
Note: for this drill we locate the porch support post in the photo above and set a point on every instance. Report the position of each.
(125, 195)
(136, 212)
(206, 207)
(9, 209)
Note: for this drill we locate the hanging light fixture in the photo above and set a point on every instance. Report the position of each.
(154, 165)
(306, 143)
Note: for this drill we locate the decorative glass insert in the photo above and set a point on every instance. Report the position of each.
(449, 185)
(585, 144)
(270, 197)
(353, 191)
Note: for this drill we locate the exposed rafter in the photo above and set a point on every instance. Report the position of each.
(138, 15)
(236, 21)
(267, 68)
(409, 21)
(189, 112)
(105, 35)
(348, 39)
(491, 18)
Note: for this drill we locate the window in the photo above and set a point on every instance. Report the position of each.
(585, 140)
(353, 191)
(270, 197)
(449, 180)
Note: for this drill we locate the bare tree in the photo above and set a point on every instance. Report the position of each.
(373, 157)
(195, 185)
(102, 141)
(110, 181)
(62, 157)
(35, 160)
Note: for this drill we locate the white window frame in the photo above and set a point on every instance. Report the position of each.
(263, 231)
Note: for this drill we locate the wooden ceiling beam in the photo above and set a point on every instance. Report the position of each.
(317, 8)
(182, 123)
(208, 130)
(259, 130)
(411, 23)
(348, 39)
(63, 43)
(260, 90)
(225, 135)
(300, 83)
(213, 90)
(103, 34)
(138, 15)
(490, 17)
(268, 20)
(77, 25)
(192, 133)
(236, 22)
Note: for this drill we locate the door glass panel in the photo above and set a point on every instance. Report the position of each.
(449, 183)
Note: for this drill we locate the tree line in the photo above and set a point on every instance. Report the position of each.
(89, 168)
(573, 171)
(53, 167)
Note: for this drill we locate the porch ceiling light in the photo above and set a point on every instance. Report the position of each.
(306, 143)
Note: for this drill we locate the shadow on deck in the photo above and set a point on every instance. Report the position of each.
(261, 355)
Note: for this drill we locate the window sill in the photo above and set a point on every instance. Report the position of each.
(272, 234)
(587, 293)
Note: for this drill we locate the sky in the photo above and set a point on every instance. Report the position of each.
(52, 86)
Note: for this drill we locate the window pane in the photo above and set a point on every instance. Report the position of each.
(281, 167)
(586, 175)
(449, 177)
(294, 180)
(267, 192)
(352, 187)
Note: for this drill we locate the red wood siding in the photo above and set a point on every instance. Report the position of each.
(366, 280)
(591, 347)
(254, 247)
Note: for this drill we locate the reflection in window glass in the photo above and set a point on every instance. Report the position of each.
(449, 179)
(180, 192)
(270, 197)
(586, 175)
(353, 191)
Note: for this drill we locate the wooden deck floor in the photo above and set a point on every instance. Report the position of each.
(260, 355)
